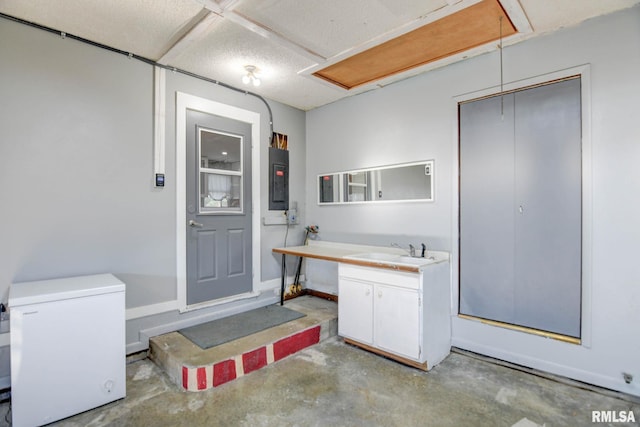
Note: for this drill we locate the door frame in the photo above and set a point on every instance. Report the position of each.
(584, 71)
(186, 102)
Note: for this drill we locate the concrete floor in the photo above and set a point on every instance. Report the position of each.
(334, 384)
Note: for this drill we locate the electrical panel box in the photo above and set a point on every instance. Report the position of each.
(278, 179)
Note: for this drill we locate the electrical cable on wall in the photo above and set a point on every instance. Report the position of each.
(501, 75)
(286, 234)
(313, 229)
(130, 55)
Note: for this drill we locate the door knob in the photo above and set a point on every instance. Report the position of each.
(192, 223)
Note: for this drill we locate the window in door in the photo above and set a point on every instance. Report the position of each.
(220, 172)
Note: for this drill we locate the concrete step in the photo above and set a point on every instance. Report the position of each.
(195, 369)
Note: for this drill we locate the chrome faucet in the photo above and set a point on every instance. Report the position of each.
(395, 245)
(411, 251)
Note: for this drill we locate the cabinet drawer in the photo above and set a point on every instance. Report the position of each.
(380, 275)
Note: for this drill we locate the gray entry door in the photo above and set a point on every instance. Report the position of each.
(218, 210)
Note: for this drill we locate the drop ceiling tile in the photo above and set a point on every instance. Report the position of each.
(144, 27)
(550, 15)
(329, 27)
(228, 47)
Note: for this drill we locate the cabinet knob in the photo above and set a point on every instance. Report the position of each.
(368, 292)
(379, 294)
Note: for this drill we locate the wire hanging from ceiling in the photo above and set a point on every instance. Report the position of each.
(501, 75)
(65, 35)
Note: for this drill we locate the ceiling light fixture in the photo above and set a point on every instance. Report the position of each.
(251, 75)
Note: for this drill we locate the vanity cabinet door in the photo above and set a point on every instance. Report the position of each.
(397, 320)
(355, 310)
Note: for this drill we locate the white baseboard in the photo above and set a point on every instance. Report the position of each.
(166, 306)
(546, 366)
(136, 347)
(273, 284)
(151, 309)
(182, 322)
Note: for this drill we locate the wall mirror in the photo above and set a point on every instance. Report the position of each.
(394, 183)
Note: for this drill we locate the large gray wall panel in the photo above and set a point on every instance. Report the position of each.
(487, 199)
(76, 153)
(520, 208)
(75, 166)
(548, 188)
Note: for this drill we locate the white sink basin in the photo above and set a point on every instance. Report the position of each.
(417, 261)
(376, 256)
(393, 259)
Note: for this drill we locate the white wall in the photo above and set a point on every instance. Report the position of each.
(77, 198)
(76, 168)
(415, 120)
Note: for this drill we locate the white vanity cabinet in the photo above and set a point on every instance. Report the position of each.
(396, 322)
(402, 315)
(355, 310)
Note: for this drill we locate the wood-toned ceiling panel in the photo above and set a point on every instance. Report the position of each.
(329, 27)
(471, 27)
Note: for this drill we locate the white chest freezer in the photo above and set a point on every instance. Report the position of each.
(67, 347)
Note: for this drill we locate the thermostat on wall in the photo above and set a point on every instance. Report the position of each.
(159, 180)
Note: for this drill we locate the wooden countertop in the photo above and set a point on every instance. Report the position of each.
(331, 251)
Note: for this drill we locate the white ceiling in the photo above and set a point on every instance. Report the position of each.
(286, 39)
